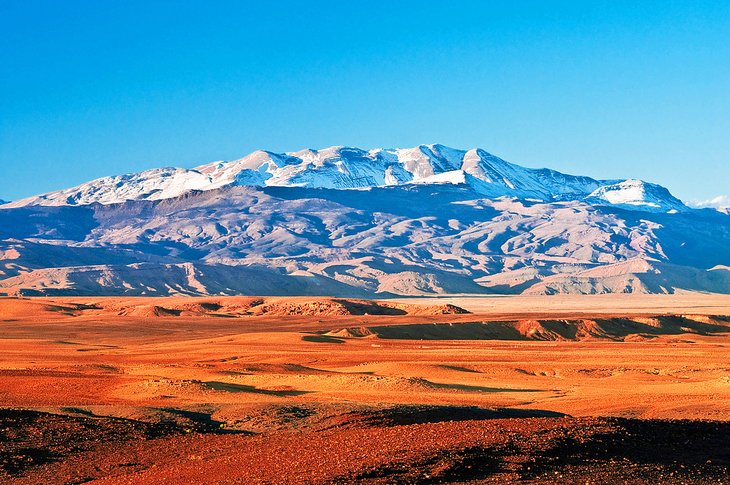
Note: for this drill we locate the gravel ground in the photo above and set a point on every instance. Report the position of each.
(406, 444)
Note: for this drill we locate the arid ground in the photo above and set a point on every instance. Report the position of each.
(591, 389)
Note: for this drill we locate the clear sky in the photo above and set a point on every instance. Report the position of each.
(609, 89)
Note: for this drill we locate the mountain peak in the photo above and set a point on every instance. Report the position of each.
(343, 167)
(632, 193)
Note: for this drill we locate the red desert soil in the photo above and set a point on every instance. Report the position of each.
(290, 390)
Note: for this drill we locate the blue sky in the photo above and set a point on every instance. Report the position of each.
(607, 89)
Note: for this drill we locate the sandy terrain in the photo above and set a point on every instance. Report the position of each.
(191, 389)
(559, 305)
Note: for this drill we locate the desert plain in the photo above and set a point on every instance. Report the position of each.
(489, 389)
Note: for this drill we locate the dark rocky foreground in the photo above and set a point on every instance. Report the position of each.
(417, 444)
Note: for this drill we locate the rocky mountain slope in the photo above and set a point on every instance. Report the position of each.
(350, 222)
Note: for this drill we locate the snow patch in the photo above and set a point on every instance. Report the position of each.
(339, 167)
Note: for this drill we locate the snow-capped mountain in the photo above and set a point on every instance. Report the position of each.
(350, 222)
(354, 168)
(636, 194)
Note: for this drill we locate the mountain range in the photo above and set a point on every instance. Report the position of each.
(350, 222)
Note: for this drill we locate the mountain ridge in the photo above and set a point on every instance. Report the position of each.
(444, 221)
(341, 167)
(402, 240)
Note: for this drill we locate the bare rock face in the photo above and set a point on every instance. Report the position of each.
(358, 223)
